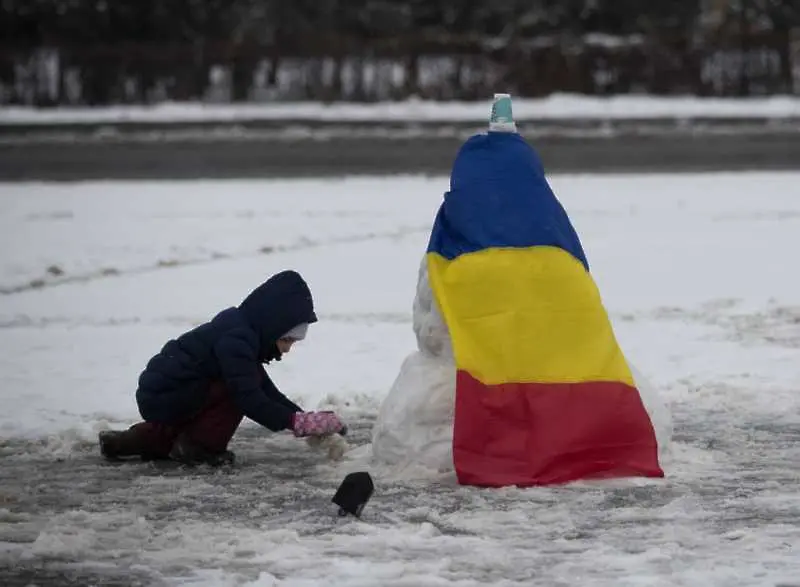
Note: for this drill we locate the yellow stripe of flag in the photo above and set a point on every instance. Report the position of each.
(526, 315)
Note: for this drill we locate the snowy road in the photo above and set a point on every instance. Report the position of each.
(697, 273)
(287, 154)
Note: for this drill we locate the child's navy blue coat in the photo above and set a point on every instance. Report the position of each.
(231, 347)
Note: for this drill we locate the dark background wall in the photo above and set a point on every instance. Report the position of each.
(94, 52)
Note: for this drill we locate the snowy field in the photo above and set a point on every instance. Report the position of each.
(557, 106)
(699, 273)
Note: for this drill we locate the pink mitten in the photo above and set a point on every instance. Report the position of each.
(316, 424)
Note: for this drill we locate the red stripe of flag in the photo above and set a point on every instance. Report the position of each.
(528, 434)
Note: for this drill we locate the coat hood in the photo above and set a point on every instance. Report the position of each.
(276, 306)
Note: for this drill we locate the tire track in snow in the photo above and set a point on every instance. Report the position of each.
(25, 321)
(776, 324)
(109, 272)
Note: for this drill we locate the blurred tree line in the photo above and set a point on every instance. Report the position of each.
(143, 51)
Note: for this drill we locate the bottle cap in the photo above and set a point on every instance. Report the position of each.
(501, 117)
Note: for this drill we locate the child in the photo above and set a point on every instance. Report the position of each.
(194, 393)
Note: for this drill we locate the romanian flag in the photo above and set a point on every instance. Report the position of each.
(544, 394)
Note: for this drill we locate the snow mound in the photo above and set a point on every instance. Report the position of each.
(414, 429)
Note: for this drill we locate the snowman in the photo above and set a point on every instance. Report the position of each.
(414, 431)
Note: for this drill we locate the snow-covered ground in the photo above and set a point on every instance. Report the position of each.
(557, 106)
(699, 275)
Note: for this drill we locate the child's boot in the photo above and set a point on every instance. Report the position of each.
(118, 444)
(146, 441)
(188, 452)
